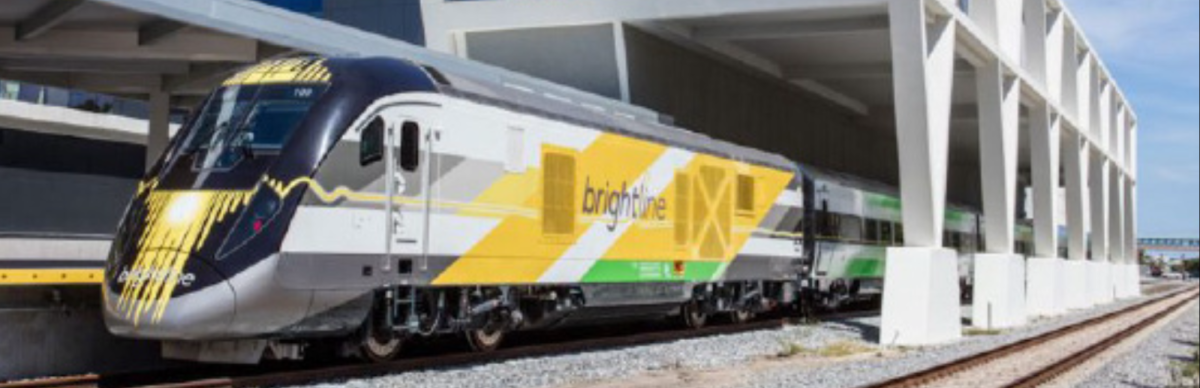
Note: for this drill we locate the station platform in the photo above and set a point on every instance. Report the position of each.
(50, 260)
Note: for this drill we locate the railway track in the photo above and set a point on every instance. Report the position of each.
(1041, 360)
(300, 375)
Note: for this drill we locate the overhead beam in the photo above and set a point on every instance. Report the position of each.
(123, 45)
(45, 19)
(160, 30)
(74, 65)
(96, 83)
(798, 29)
(878, 70)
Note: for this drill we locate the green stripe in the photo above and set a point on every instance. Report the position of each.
(864, 267)
(623, 271)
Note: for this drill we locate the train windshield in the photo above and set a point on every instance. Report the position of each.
(243, 121)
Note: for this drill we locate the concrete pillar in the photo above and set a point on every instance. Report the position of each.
(1071, 71)
(1119, 130)
(999, 294)
(1075, 164)
(1084, 95)
(1055, 51)
(920, 301)
(1037, 28)
(1116, 234)
(1098, 281)
(1001, 20)
(1102, 119)
(1045, 294)
(1133, 258)
(160, 128)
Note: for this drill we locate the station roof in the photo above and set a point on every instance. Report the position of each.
(137, 47)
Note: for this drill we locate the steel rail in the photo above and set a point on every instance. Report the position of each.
(954, 368)
(81, 381)
(318, 375)
(1061, 368)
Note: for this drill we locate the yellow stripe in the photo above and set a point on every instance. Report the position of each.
(516, 251)
(22, 277)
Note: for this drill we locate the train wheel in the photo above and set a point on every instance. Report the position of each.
(740, 317)
(485, 340)
(693, 316)
(379, 344)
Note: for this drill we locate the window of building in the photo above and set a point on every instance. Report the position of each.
(558, 207)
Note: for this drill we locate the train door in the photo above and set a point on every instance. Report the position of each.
(407, 176)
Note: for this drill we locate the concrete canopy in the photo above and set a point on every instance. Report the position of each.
(838, 51)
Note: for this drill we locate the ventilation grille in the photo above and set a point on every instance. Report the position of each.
(558, 207)
(683, 209)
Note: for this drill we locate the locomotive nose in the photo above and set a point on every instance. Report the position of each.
(199, 314)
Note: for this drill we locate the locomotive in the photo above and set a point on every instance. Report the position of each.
(368, 201)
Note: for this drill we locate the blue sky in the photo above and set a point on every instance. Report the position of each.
(1153, 49)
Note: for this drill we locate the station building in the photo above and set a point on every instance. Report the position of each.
(986, 103)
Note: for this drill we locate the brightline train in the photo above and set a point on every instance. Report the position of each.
(367, 202)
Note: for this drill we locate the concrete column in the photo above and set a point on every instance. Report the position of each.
(1102, 118)
(1045, 294)
(1055, 51)
(920, 302)
(1083, 93)
(1134, 259)
(1071, 71)
(1098, 281)
(1001, 21)
(1118, 131)
(1075, 164)
(160, 128)
(1037, 28)
(1116, 234)
(999, 294)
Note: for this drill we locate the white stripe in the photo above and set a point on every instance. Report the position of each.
(770, 247)
(597, 241)
(790, 198)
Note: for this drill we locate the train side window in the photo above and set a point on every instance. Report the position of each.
(851, 228)
(370, 149)
(885, 233)
(899, 234)
(872, 231)
(746, 193)
(410, 146)
(558, 187)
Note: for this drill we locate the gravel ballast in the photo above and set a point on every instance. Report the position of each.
(724, 353)
(1151, 362)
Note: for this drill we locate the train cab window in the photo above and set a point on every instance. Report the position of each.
(746, 193)
(239, 122)
(558, 203)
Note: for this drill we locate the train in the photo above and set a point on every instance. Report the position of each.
(367, 202)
